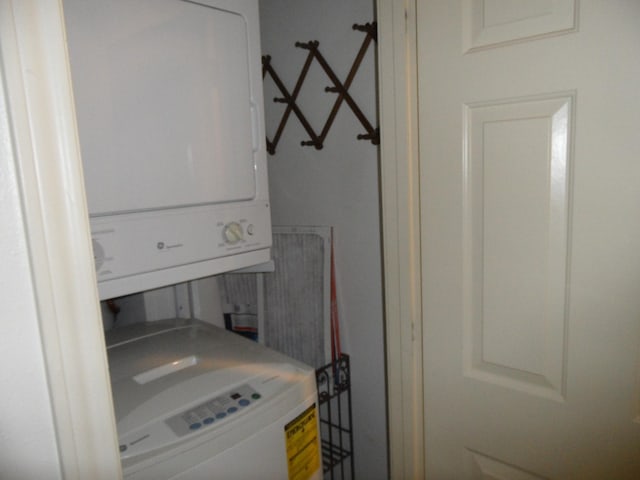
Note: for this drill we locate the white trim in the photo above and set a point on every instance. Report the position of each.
(397, 75)
(43, 128)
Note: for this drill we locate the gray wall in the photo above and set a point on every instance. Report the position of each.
(335, 186)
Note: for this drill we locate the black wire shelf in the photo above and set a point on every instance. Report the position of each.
(336, 431)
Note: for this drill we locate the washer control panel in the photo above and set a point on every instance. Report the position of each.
(213, 410)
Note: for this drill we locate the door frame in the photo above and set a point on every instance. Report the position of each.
(36, 86)
(45, 149)
(400, 191)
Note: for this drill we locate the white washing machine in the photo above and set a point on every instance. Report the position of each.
(193, 401)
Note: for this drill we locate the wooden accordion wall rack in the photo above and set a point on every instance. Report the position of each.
(316, 140)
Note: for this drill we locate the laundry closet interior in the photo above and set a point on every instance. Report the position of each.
(250, 236)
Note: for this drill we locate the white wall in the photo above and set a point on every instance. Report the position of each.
(336, 186)
(28, 447)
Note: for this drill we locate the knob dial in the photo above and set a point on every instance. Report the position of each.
(232, 233)
(98, 254)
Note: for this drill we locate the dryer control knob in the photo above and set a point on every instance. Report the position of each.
(232, 233)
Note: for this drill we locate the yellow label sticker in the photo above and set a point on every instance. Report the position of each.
(303, 451)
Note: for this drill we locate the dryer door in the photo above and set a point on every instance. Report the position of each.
(164, 103)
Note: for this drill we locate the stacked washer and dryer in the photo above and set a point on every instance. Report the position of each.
(169, 103)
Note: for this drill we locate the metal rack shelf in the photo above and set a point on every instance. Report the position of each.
(336, 431)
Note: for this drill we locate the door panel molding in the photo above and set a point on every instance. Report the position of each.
(493, 23)
(517, 157)
(488, 468)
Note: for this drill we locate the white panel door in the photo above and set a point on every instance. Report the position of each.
(529, 121)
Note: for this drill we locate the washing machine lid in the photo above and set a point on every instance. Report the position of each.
(164, 373)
